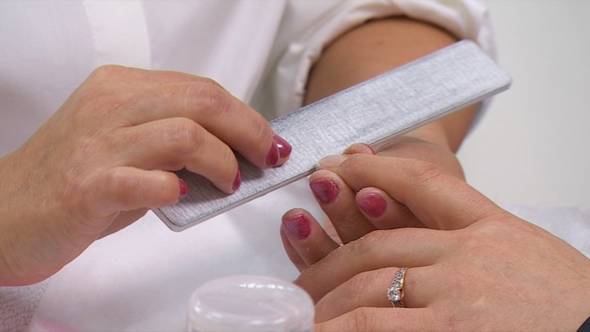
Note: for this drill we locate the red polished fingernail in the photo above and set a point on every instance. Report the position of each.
(183, 187)
(283, 146)
(297, 226)
(272, 158)
(324, 190)
(237, 181)
(373, 205)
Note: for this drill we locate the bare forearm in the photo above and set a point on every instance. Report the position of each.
(378, 46)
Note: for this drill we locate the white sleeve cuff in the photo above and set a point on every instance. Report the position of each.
(466, 19)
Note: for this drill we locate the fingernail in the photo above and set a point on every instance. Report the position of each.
(325, 191)
(331, 161)
(297, 226)
(283, 146)
(373, 205)
(272, 158)
(183, 187)
(237, 181)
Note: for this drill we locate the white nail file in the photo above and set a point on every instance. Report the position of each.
(371, 112)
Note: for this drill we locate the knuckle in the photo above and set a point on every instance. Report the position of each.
(215, 99)
(357, 285)
(169, 192)
(354, 163)
(361, 319)
(120, 185)
(366, 245)
(185, 135)
(229, 159)
(107, 72)
(376, 237)
(75, 197)
(490, 227)
(424, 172)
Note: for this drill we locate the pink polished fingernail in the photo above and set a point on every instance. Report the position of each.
(272, 157)
(237, 181)
(183, 187)
(373, 205)
(325, 190)
(297, 226)
(283, 146)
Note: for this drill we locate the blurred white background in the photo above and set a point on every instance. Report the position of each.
(532, 147)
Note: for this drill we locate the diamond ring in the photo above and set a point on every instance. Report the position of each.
(395, 292)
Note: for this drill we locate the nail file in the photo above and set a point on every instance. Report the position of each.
(372, 112)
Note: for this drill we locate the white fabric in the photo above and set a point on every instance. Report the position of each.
(261, 51)
(571, 224)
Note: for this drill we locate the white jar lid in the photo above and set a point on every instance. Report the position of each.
(250, 304)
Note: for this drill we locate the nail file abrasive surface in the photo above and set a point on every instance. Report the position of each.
(371, 112)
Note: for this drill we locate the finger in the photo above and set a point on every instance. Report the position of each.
(338, 202)
(127, 189)
(369, 289)
(331, 231)
(383, 211)
(306, 236)
(292, 253)
(437, 199)
(381, 320)
(359, 148)
(207, 103)
(176, 143)
(408, 247)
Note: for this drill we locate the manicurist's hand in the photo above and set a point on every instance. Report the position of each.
(107, 155)
(491, 272)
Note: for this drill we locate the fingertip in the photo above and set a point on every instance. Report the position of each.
(359, 148)
(293, 255)
(324, 188)
(272, 156)
(330, 161)
(171, 188)
(322, 173)
(292, 212)
(237, 181)
(283, 147)
(182, 188)
(371, 202)
(297, 226)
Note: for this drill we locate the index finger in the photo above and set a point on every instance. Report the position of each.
(162, 95)
(438, 199)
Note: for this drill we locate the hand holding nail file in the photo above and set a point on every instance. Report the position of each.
(371, 112)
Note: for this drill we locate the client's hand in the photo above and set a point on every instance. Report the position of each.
(353, 213)
(106, 156)
(495, 272)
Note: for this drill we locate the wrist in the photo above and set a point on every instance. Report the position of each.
(433, 132)
(428, 143)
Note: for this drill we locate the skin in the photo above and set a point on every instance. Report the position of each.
(495, 267)
(487, 271)
(107, 155)
(362, 53)
(378, 46)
